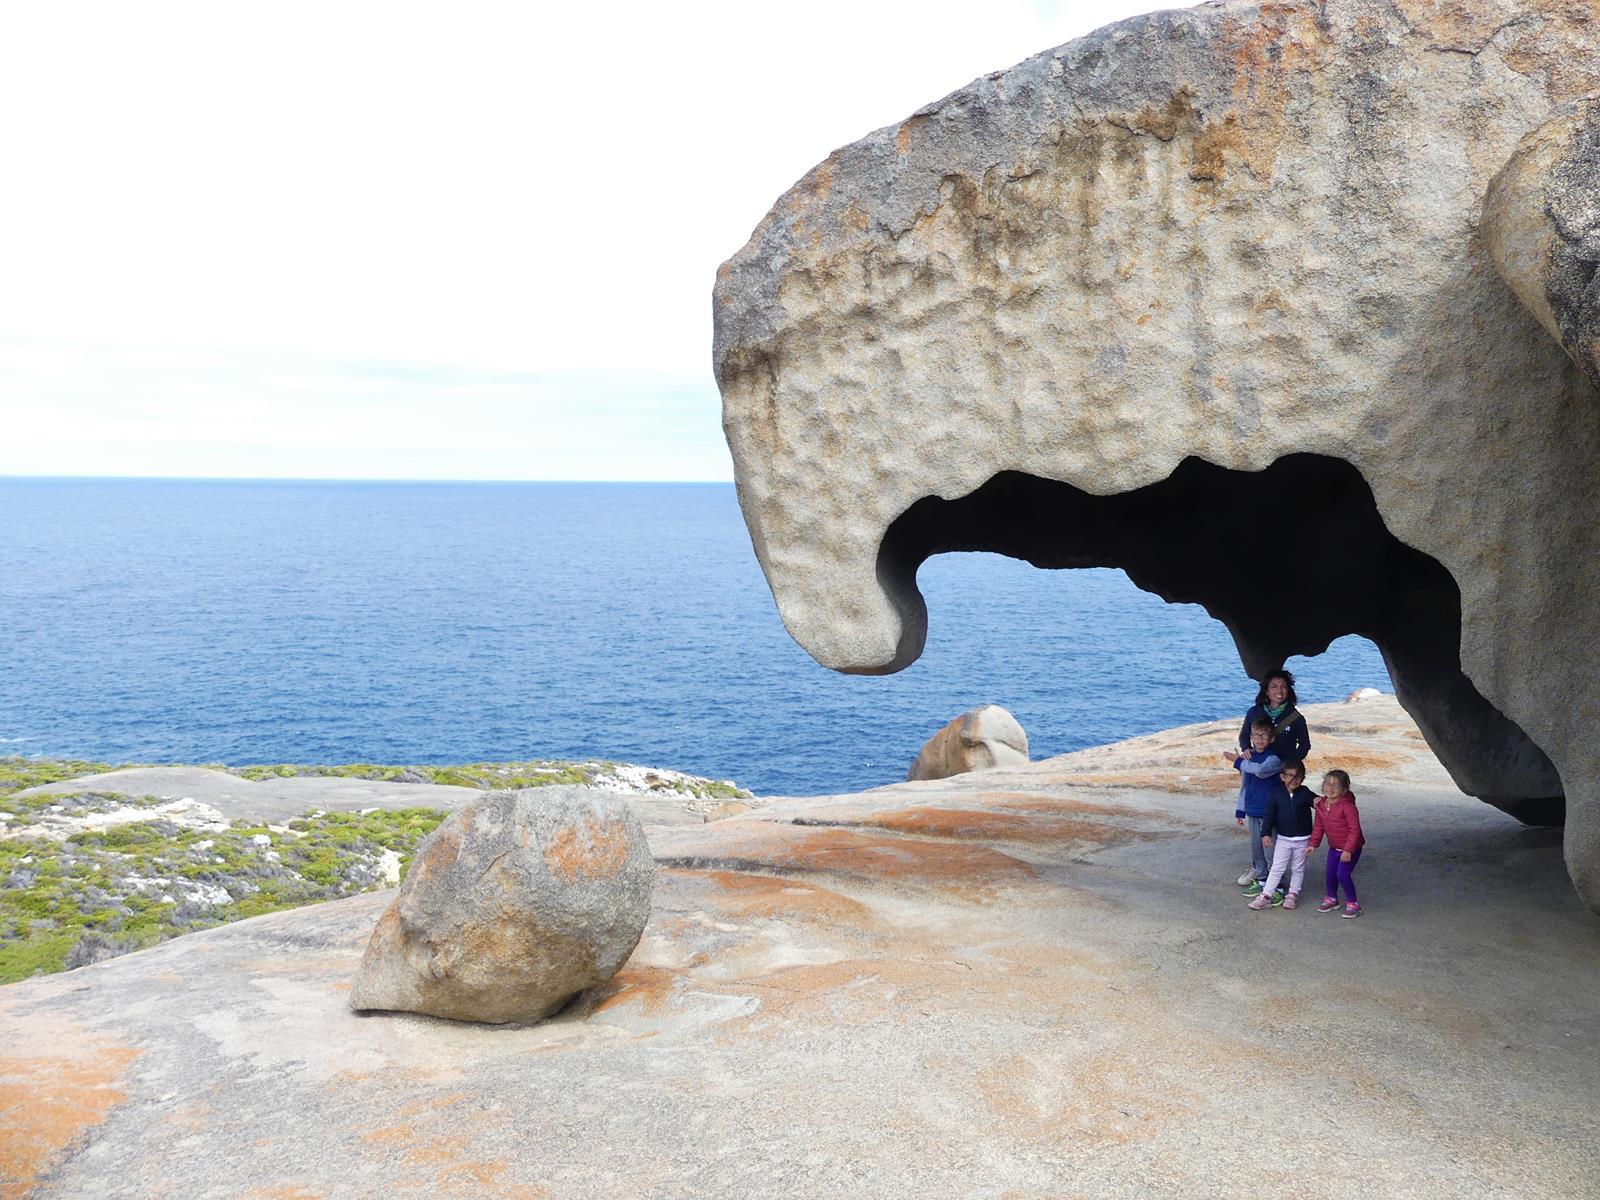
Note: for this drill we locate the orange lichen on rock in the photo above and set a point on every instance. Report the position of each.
(958, 867)
(903, 135)
(649, 987)
(449, 1167)
(912, 973)
(1046, 805)
(436, 855)
(1161, 122)
(769, 897)
(599, 853)
(1203, 780)
(48, 1101)
(999, 827)
(1212, 144)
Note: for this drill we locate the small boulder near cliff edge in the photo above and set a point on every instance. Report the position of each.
(983, 737)
(515, 904)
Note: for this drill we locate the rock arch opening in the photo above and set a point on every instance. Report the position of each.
(1288, 558)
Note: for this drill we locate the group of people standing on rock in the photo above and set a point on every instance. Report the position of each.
(1281, 813)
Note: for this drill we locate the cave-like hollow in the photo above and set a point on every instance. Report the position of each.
(1288, 558)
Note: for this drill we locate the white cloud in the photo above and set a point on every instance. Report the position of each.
(480, 185)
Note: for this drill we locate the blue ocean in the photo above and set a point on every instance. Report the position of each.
(329, 622)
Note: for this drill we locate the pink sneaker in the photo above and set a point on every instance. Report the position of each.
(1328, 904)
(1291, 900)
(1351, 910)
(1262, 901)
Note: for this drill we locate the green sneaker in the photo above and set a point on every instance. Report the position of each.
(1277, 898)
(1253, 890)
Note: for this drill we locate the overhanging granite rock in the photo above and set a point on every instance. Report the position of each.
(1227, 265)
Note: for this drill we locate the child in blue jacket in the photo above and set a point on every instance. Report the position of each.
(1258, 769)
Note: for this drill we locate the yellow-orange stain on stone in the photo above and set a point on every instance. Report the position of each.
(649, 987)
(445, 1160)
(903, 135)
(48, 1101)
(1206, 779)
(194, 1117)
(1274, 53)
(952, 866)
(1000, 827)
(1212, 144)
(916, 975)
(599, 852)
(770, 897)
(1329, 751)
(1028, 802)
(811, 193)
(1544, 48)
(438, 855)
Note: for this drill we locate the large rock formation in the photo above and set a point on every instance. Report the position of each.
(1198, 270)
(983, 737)
(1542, 224)
(515, 904)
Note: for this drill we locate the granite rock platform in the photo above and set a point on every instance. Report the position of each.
(1023, 983)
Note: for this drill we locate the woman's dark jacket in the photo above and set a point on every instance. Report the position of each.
(1293, 741)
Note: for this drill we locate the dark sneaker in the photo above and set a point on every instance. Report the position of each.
(1277, 898)
(1253, 890)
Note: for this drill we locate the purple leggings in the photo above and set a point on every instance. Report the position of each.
(1339, 873)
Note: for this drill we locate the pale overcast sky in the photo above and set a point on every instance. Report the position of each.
(391, 240)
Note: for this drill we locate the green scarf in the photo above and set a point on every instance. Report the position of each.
(1275, 713)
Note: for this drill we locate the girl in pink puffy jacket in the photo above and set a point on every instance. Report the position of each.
(1338, 820)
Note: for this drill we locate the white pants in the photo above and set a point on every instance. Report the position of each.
(1288, 854)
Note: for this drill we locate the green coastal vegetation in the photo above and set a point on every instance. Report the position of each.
(532, 773)
(68, 899)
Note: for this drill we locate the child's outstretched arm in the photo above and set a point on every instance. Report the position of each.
(1317, 806)
(1268, 766)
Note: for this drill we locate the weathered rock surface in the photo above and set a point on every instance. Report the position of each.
(981, 738)
(515, 904)
(1028, 982)
(1541, 221)
(1091, 309)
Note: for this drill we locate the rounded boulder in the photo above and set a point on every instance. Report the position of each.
(975, 741)
(516, 903)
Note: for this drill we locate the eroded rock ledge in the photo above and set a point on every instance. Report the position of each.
(1215, 240)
